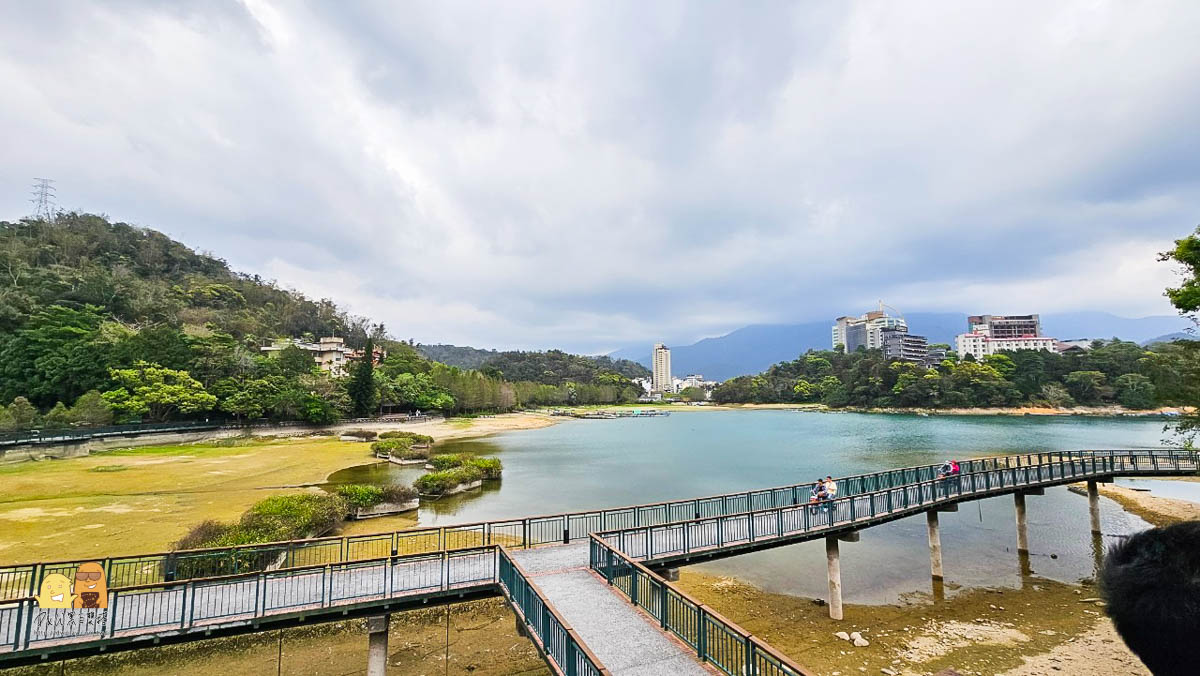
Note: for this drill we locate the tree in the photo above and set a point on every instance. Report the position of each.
(1186, 297)
(91, 409)
(253, 398)
(295, 361)
(361, 387)
(1056, 395)
(21, 414)
(150, 389)
(1135, 391)
(692, 394)
(1086, 386)
(57, 417)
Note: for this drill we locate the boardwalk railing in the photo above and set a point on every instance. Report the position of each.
(793, 522)
(200, 606)
(715, 639)
(64, 434)
(124, 571)
(556, 639)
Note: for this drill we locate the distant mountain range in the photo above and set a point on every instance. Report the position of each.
(752, 349)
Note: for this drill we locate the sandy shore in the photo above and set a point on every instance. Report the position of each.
(1156, 510)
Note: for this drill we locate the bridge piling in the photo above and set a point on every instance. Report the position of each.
(377, 645)
(1022, 525)
(935, 545)
(1094, 505)
(833, 561)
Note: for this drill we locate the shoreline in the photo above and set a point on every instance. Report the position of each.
(1165, 412)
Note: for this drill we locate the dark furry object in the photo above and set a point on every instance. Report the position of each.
(1151, 583)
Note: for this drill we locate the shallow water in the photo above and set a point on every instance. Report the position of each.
(1178, 490)
(588, 464)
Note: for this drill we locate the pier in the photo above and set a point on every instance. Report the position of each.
(591, 589)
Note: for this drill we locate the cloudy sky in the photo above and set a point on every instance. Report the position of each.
(590, 175)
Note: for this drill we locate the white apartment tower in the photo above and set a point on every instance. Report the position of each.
(661, 373)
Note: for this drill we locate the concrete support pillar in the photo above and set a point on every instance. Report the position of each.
(1094, 506)
(935, 545)
(834, 561)
(377, 645)
(671, 574)
(1022, 526)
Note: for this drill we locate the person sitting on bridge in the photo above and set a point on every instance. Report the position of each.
(1151, 583)
(817, 495)
(830, 488)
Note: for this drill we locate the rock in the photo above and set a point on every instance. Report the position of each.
(842, 635)
(821, 602)
(861, 642)
(889, 672)
(854, 635)
(1092, 599)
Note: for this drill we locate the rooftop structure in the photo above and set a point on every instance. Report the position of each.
(1005, 326)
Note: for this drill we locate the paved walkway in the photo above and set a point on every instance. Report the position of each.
(627, 641)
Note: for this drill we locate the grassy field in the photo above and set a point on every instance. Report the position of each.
(143, 499)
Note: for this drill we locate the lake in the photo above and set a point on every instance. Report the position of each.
(589, 464)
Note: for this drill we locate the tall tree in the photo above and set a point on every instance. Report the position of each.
(361, 387)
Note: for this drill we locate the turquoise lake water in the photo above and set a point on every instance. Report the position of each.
(588, 464)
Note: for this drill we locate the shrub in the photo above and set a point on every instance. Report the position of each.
(203, 534)
(490, 468)
(365, 496)
(399, 494)
(291, 517)
(437, 483)
(442, 463)
(412, 454)
(361, 495)
(366, 435)
(391, 445)
(419, 439)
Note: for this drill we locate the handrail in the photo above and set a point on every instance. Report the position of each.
(715, 639)
(789, 521)
(55, 434)
(22, 579)
(205, 604)
(568, 654)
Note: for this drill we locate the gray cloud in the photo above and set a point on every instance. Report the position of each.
(583, 175)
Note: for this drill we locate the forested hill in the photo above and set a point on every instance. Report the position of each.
(141, 277)
(454, 355)
(555, 367)
(106, 322)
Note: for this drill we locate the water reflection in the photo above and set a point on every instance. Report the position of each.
(583, 464)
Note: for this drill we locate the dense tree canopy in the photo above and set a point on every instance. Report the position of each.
(1111, 372)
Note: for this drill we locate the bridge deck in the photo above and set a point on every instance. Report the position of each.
(626, 640)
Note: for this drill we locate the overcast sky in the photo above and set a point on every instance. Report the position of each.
(590, 175)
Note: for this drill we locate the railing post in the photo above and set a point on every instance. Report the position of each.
(633, 585)
(662, 606)
(701, 635)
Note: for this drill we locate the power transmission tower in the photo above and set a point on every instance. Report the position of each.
(43, 198)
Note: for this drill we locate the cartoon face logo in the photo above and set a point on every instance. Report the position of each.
(91, 591)
(55, 592)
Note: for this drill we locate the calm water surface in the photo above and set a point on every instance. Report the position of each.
(588, 464)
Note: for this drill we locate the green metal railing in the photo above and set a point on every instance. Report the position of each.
(555, 638)
(715, 639)
(809, 520)
(24, 579)
(199, 606)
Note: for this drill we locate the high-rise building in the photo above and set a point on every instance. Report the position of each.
(904, 346)
(1005, 326)
(992, 334)
(866, 330)
(661, 373)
